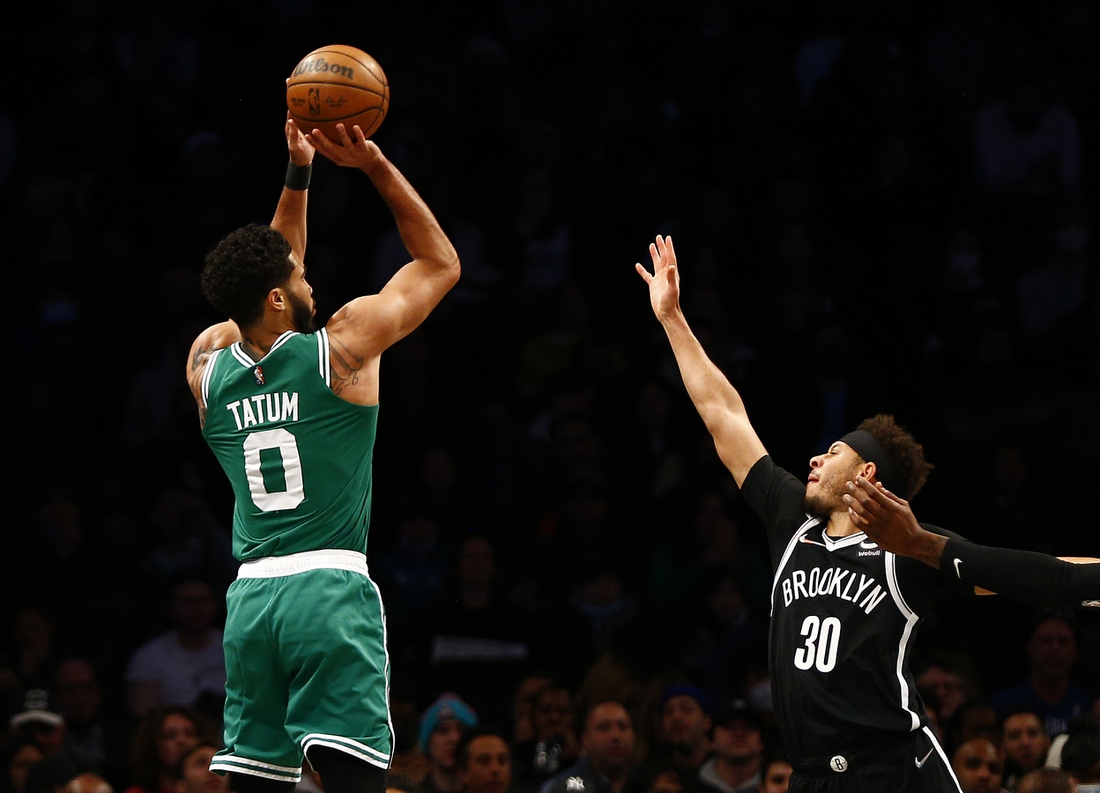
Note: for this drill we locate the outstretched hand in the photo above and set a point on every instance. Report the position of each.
(301, 150)
(664, 283)
(351, 151)
(886, 518)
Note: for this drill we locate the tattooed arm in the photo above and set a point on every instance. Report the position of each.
(213, 338)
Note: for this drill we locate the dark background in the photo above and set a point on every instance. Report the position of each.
(878, 206)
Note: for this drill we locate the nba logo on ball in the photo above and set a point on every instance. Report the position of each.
(315, 101)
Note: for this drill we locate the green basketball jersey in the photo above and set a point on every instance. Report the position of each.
(298, 456)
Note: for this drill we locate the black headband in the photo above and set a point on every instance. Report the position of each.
(871, 450)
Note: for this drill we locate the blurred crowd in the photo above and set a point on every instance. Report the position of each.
(879, 207)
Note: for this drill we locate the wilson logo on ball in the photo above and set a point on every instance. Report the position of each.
(312, 65)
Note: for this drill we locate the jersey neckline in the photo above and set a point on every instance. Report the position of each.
(246, 360)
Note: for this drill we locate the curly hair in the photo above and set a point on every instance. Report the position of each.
(243, 268)
(906, 454)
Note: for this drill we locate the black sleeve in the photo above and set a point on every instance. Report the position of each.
(1033, 578)
(776, 496)
(922, 585)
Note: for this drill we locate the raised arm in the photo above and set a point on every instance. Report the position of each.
(290, 214)
(717, 401)
(1035, 578)
(368, 325)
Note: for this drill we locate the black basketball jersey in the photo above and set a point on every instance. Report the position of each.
(844, 620)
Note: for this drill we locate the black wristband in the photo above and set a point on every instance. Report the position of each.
(297, 176)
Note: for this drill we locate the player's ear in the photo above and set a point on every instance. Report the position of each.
(276, 299)
(868, 471)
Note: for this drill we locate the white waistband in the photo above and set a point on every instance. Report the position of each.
(277, 566)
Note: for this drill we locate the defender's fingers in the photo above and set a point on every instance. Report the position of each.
(655, 256)
(880, 497)
(671, 249)
(643, 273)
(858, 519)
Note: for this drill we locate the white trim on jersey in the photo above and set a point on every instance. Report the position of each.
(811, 521)
(386, 651)
(911, 620)
(243, 765)
(943, 756)
(279, 342)
(348, 746)
(246, 359)
(836, 543)
(241, 355)
(204, 388)
(323, 356)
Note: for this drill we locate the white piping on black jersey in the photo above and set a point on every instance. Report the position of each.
(911, 620)
(204, 389)
(322, 355)
(943, 756)
(795, 539)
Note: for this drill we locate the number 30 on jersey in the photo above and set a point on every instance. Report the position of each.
(819, 649)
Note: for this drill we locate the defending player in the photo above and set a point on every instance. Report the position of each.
(290, 414)
(844, 610)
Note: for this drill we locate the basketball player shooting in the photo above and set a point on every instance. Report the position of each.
(845, 608)
(290, 413)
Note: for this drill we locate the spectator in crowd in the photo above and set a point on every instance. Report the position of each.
(88, 782)
(33, 650)
(949, 678)
(1046, 780)
(1024, 743)
(40, 721)
(973, 719)
(979, 766)
(738, 739)
(185, 665)
(1081, 756)
(94, 736)
(441, 729)
(17, 754)
(484, 761)
(50, 775)
(195, 773)
(608, 741)
(775, 776)
(1049, 689)
(161, 740)
(553, 745)
(685, 727)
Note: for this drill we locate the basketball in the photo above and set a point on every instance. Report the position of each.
(337, 85)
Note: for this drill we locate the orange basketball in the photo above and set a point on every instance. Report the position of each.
(337, 84)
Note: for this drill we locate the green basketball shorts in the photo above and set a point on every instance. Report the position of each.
(306, 665)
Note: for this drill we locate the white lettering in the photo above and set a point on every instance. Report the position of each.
(838, 581)
(848, 588)
(826, 580)
(787, 596)
(799, 579)
(236, 413)
(811, 585)
(290, 406)
(249, 416)
(873, 599)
